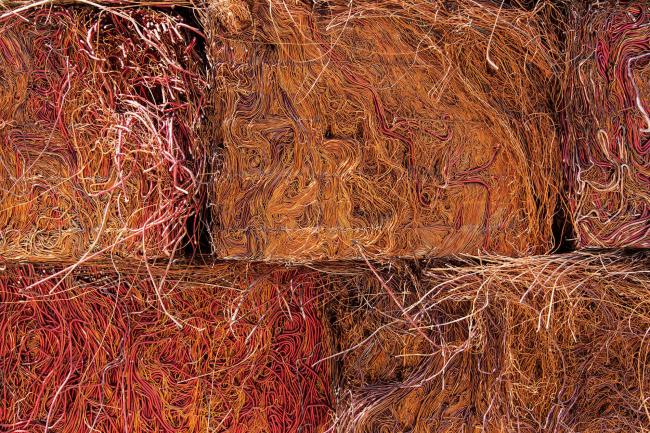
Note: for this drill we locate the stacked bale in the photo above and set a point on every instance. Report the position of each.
(324, 130)
(98, 146)
(93, 351)
(557, 343)
(607, 123)
(401, 128)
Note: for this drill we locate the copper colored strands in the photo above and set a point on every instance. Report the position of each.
(405, 128)
(93, 352)
(98, 149)
(324, 216)
(544, 344)
(607, 124)
(23, 5)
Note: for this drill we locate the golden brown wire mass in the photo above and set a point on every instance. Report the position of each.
(402, 128)
(549, 343)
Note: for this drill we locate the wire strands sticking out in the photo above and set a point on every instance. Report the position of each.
(99, 152)
(381, 124)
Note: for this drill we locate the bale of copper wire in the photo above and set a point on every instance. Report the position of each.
(386, 190)
(407, 129)
(548, 343)
(606, 125)
(99, 151)
(225, 348)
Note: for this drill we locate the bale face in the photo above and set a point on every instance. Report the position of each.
(521, 345)
(94, 351)
(98, 150)
(406, 130)
(607, 125)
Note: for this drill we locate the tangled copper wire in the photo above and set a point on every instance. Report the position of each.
(539, 344)
(607, 124)
(94, 352)
(408, 128)
(98, 147)
(349, 136)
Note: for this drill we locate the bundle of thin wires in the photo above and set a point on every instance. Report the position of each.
(23, 5)
(407, 128)
(99, 152)
(607, 123)
(231, 349)
(548, 343)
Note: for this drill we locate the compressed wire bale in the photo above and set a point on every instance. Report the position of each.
(550, 343)
(98, 147)
(94, 351)
(404, 128)
(607, 125)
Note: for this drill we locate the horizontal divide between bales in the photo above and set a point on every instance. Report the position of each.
(251, 216)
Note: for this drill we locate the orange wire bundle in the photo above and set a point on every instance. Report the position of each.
(406, 128)
(607, 124)
(541, 344)
(92, 351)
(98, 146)
(333, 130)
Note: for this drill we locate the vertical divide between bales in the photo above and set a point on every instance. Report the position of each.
(297, 216)
(547, 343)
